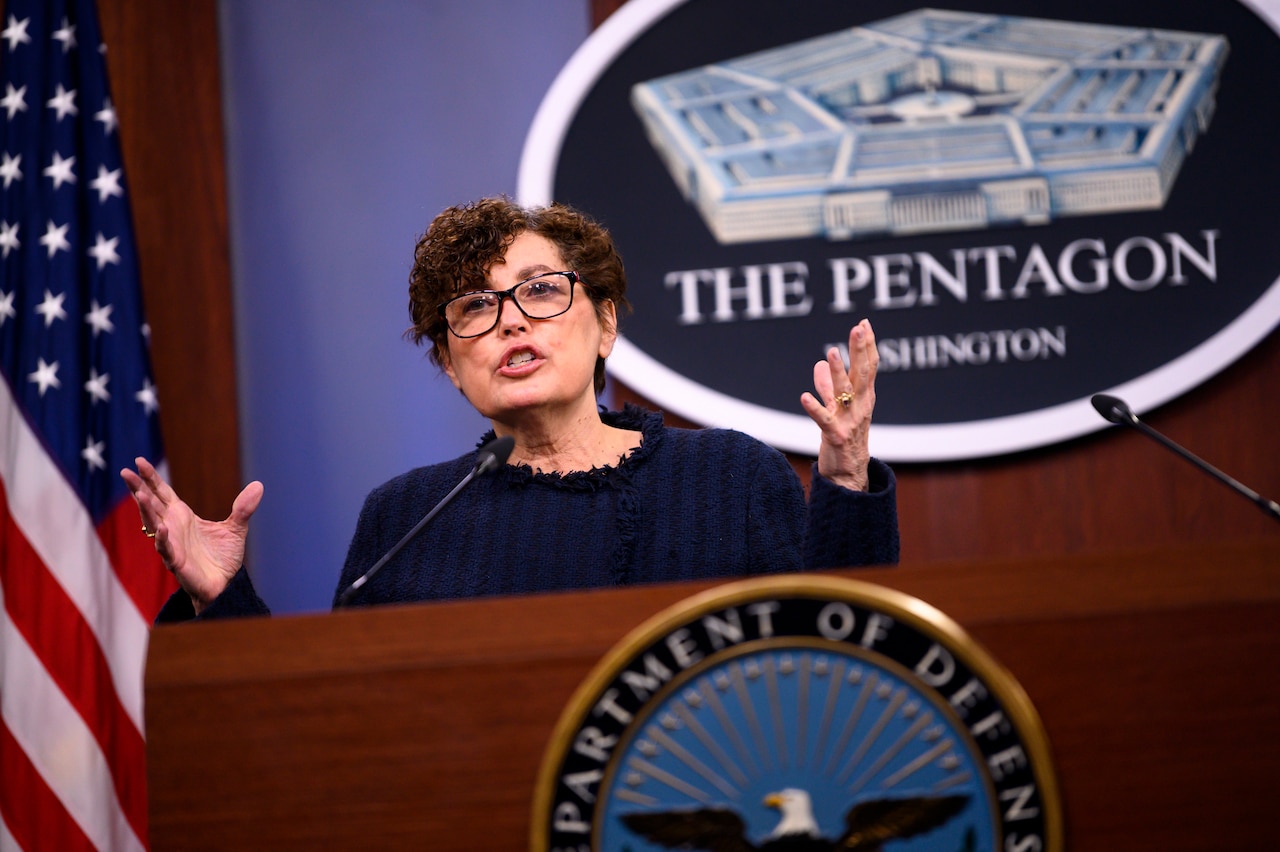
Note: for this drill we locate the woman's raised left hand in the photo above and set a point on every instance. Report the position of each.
(843, 412)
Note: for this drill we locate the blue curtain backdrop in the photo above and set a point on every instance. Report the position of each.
(350, 124)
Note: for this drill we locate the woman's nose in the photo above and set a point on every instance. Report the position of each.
(510, 316)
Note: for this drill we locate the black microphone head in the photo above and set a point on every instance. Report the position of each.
(494, 454)
(1113, 409)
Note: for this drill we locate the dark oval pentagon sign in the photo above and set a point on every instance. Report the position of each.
(1032, 203)
(798, 712)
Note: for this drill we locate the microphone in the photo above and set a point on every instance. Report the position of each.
(490, 457)
(1116, 410)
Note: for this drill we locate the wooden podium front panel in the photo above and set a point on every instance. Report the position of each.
(414, 727)
(424, 726)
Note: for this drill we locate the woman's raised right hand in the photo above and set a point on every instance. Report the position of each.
(202, 555)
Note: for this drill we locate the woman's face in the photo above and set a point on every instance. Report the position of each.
(527, 364)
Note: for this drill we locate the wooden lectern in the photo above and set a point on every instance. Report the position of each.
(423, 727)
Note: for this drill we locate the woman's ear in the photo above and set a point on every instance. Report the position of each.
(608, 314)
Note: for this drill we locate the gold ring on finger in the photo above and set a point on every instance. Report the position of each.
(844, 399)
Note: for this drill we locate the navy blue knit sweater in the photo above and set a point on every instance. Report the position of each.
(686, 505)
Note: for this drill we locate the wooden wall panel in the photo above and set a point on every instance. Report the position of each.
(162, 58)
(602, 9)
(1113, 490)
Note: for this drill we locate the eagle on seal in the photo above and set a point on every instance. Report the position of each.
(868, 825)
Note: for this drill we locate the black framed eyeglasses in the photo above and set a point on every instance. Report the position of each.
(543, 296)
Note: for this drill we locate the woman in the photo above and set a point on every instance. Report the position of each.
(520, 308)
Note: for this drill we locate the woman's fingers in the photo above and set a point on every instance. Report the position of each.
(203, 555)
(156, 502)
(164, 546)
(147, 483)
(864, 359)
(246, 503)
(153, 480)
(143, 497)
(839, 377)
(822, 380)
(843, 412)
(814, 408)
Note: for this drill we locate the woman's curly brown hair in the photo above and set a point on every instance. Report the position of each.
(463, 242)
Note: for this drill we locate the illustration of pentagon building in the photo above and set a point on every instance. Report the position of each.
(933, 121)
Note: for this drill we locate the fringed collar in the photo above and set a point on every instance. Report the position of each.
(649, 424)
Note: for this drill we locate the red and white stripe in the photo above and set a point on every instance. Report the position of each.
(76, 604)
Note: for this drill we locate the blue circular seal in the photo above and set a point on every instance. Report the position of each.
(798, 713)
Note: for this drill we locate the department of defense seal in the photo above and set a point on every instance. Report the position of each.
(797, 713)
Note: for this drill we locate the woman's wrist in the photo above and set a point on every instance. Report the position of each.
(852, 480)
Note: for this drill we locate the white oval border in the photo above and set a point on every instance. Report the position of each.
(796, 433)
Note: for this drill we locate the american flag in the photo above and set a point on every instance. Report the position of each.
(79, 583)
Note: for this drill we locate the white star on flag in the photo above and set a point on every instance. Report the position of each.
(6, 306)
(64, 102)
(104, 250)
(51, 308)
(107, 115)
(92, 454)
(97, 386)
(60, 170)
(99, 318)
(55, 238)
(147, 396)
(14, 100)
(9, 238)
(107, 183)
(16, 32)
(66, 35)
(9, 169)
(46, 376)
